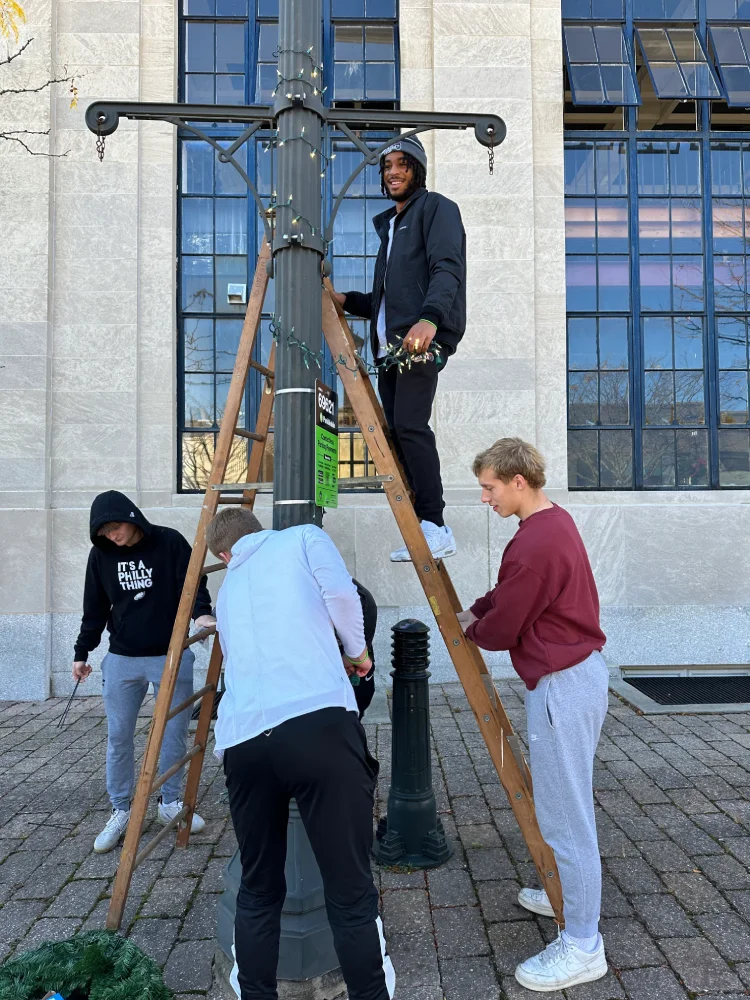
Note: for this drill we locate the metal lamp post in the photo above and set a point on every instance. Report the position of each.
(300, 127)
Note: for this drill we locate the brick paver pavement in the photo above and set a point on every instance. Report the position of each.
(673, 803)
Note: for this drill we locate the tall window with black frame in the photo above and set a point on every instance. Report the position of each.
(657, 175)
(228, 55)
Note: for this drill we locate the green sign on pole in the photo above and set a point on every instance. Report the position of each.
(326, 446)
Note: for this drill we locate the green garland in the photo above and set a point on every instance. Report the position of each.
(97, 965)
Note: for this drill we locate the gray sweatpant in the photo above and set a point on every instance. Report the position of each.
(125, 681)
(565, 714)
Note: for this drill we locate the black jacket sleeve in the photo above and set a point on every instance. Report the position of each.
(202, 604)
(444, 241)
(96, 608)
(369, 613)
(359, 304)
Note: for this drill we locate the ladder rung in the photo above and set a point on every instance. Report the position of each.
(196, 749)
(250, 435)
(203, 634)
(189, 701)
(268, 487)
(152, 844)
(262, 369)
(364, 481)
(258, 487)
(236, 499)
(213, 568)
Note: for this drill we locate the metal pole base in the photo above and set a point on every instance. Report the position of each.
(308, 965)
(331, 986)
(390, 849)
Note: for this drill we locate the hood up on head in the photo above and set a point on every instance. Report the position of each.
(113, 506)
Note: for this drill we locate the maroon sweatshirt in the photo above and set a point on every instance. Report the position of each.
(545, 608)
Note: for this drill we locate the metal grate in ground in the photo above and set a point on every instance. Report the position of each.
(693, 690)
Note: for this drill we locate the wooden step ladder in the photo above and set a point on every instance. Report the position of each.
(488, 710)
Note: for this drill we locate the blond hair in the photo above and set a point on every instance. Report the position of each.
(229, 526)
(510, 457)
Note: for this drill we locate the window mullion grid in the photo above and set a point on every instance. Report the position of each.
(710, 341)
(636, 339)
(636, 336)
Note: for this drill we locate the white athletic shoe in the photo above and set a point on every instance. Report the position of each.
(536, 900)
(441, 542)
(116, 825)
(560, 966)
(167, 811)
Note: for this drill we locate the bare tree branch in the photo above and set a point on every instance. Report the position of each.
(13, 134)
(14, 55)
(36, 90)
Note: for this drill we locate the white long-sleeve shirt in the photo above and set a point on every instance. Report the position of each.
(284, 593)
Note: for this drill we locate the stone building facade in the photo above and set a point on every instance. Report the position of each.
(88, 376)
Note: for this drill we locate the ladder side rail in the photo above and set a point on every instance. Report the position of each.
(371, 422)
(489, 684)
(193, 575)
(255, 461)
(201, 740)
(262, 427)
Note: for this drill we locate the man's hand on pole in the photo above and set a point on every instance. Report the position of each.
(81, 670)
(419, 338)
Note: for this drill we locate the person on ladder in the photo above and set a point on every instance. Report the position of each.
(288, 729)
(545, 611)
(134, 581)
(418, 302)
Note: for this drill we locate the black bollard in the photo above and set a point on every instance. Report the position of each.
(411, 834)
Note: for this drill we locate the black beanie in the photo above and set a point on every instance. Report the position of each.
(410, 145)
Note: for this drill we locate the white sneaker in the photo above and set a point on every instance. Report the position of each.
(536, 900)
(441, 542)
(167, 811)
(117, 824)
(561, 965)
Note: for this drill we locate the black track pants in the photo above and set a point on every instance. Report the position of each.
(407, 398)
(321, 760)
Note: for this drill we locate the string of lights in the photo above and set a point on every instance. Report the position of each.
(395, 354)
(300, 78)
(317, 68)
(297, 217)
(275, 142)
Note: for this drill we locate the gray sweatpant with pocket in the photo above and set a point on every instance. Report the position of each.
(565, 714)
(125, 681)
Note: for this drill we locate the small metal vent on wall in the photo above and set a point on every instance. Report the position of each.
(694, 689)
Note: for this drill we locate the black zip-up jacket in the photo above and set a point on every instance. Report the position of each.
(426, 273)
(133, 590)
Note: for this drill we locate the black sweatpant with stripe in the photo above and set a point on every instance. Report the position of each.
(321, 760)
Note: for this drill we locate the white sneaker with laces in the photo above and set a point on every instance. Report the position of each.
(440, 539)
(116, 825)
(561, 965)
(536, 900)
(167, 811)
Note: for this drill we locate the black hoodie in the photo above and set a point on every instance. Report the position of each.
(133, 590)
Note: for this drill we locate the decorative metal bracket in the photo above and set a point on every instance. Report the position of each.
(103, 118)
